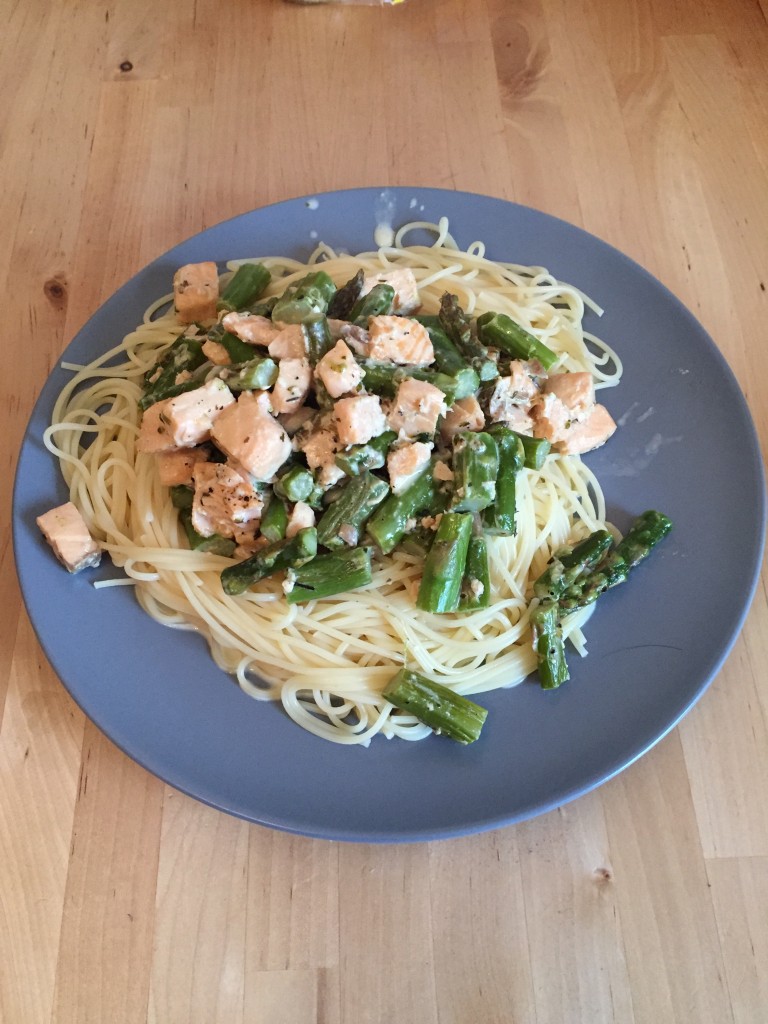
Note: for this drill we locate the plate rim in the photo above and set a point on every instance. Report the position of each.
(569, 794)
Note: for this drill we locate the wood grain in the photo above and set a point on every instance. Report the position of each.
(128, 126)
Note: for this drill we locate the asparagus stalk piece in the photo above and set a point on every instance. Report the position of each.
(274, 520)
(643, 535)
(500, 516)
(295, 485)
(184, 355)
(215, 544)
(535, 451)
(330, 574)
(476, 583)
(438, 707)
(318, 337)
(244, 287)
(449, 360)
(440, 588)
(265, 307)
(306, 298)
(586, 590)
(343, 301)
(569, 564)
(548, 645)
(372, 455)
(458, 327)
(500, 331)
(418, 541)
(255, 375)
(377, 302)
(475, 469)
(283, 554)
(390, 521)
(351, 510)
(182, 496)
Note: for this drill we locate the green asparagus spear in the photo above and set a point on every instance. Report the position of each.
(475, 469)
(295, 485)
(458, 327)
(255, 375)
(351, 510)
(183, 356)
(307, 297)
(377, 302)
(343, 301)
(317, 335)
(500, 516)
(548, 645)
(476, 583)
(215, 544)
(568, 564)
(535, 451)
(390, 521)
(372, 455)
(330, 574)
(182, 496)
(500, 331)
(449, 360)
(443, 710)
(418, 541)
(274, 520)
(444, 566)
(646, 531)
(244, 287)
(586, 590)
(283, 554)
(265, 307)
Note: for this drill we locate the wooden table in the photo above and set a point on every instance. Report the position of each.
(126, 127)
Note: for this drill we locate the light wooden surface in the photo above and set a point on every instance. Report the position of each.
(645, 902)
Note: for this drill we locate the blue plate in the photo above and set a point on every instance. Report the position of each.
(687, 446)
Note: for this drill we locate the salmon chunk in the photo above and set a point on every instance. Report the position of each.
(359, 418)
(589, 433)
(252, 437)
(405, 463)
(399, 340)
(339, 370)
(216, 352)
(320, 447)
(290, 390)
(189, 417)
(153, 433)
(302, 517)
(406, 289)
(416, 408)
(512, 393)
(575, 390)
(196, 292)
(289, 343)
(174, 468)
(224, 500)
(253, 329)
(464, 414)
(551, 418)
(65, 530)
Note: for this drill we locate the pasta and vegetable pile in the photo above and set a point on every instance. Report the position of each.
(359, 478)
